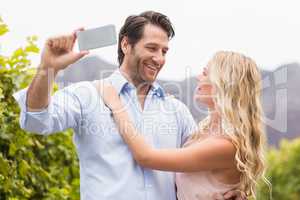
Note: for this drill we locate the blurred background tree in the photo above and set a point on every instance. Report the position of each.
(283, 172)
(31, 166)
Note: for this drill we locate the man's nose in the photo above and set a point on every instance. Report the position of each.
(158, 59)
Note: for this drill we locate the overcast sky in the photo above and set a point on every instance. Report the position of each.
(266, 30)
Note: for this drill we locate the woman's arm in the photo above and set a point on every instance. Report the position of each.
(212, 153)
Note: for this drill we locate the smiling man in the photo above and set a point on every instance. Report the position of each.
(143, 46)
(107, 168)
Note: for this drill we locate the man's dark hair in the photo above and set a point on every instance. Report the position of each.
(133, 28)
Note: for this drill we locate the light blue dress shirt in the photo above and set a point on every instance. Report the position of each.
(107, 168)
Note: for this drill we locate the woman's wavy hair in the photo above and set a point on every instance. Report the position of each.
(236, 80)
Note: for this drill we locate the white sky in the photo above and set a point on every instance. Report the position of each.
(266, 30)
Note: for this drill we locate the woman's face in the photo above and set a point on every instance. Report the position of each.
(204, 93)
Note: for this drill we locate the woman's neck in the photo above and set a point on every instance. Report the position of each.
(215, 123)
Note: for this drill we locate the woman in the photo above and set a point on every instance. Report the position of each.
(226, 152)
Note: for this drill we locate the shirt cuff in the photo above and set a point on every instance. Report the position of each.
(21, 97)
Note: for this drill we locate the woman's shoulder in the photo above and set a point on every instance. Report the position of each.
(216, 142)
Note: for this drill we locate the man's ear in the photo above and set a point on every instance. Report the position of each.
(125, 45)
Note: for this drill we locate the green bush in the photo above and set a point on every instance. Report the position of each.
(283, 172)
(31, 166)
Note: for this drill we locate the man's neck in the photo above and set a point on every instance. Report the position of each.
(141, 86)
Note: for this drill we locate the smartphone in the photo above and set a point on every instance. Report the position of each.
(97, 37)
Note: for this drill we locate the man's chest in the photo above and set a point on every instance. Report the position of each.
(156, 122)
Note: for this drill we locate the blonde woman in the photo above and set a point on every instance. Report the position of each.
(227, 151)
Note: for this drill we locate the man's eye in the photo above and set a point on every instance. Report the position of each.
(151, 48)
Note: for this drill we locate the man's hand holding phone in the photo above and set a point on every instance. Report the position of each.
(58, 52)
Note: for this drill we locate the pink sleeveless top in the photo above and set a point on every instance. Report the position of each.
(200, 185)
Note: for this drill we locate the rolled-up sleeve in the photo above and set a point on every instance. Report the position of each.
(63, 111)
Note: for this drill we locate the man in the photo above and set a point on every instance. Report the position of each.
(107, 168)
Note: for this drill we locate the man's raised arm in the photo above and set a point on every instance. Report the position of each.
(57, 54)
(40, 112)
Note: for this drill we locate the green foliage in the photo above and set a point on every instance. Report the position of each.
(3, 27)
(31, 166)
(283, 172)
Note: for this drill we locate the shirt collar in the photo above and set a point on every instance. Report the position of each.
(158, 90)
(120, 83)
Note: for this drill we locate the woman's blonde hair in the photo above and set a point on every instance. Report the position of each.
(237, 84)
